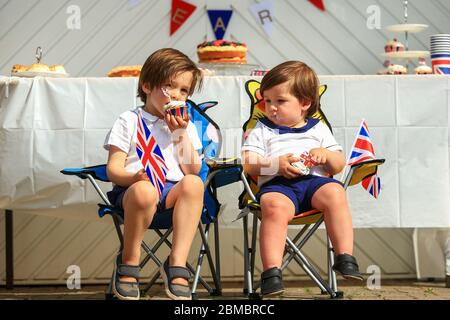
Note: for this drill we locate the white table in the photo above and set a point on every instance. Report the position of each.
(47, 124)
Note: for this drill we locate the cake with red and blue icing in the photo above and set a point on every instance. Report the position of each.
(222, 51)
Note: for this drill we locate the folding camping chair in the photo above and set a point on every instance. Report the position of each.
(210, 136)
(311, 219)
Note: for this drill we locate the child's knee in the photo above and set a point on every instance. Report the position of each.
(334, 193)
(192, 185)
(275, 208)
(142, 195)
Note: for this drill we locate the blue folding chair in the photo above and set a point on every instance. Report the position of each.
(210, 136)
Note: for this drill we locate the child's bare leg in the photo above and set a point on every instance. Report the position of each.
(187, 199)
(277, 210)
(139, 203)
(331, 198)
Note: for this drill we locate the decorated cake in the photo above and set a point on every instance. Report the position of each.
(58, 68)
(38, 67)
(423, 68)
(397, 69)
(18, 68)
(222, 51)
(394, 46)
(125, 71)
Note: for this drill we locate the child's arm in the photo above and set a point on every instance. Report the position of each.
(333, 161)
(257, 165)
(188, 157)
(115, 169)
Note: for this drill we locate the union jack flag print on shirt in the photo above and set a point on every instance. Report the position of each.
(151, 156)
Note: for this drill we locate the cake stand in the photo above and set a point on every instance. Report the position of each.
(229, 69)
(407, 55)
(406, 28)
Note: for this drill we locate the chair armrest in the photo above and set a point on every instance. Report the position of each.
(362, 170)
(222, 163)
(97, 172)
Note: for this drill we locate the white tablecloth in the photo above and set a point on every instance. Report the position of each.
(47, 124)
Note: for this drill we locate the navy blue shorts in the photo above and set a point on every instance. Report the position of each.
(300, 190)
(115, 196)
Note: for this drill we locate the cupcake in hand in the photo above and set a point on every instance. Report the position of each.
(177, 108)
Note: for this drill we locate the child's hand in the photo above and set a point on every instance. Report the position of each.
(286, 169)
(141, 175)
(176, 122)
(318, 155)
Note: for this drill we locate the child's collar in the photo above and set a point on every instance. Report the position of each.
(310, 122)
(148, 116)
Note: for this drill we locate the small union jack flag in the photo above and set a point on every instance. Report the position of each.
(150, 155)
(372, 184)
(362, 150)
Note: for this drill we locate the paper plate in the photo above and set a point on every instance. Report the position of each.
(407, 27)
(32, 74)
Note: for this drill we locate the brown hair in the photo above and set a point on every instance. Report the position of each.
(163, 65)
(303, 82)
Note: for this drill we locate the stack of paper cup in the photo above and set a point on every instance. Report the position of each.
(440, 53)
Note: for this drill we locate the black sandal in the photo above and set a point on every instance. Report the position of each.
(272, 282)
(347, 266)
(175, 291)
(121, 289)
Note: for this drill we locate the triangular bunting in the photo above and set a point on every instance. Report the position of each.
(264, 13)
(219, 21)
(319, 4)
(181, 11)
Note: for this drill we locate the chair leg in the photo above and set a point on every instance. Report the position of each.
(217, 251)
(303, 262)
(247, 272)
(253, 251)
(151, 255)
(248, 278)
(331, 274)
(207, 251)
(117, 222)
(109, 295)
(199, 264)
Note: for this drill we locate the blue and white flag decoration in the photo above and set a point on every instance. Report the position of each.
(263, 12)
(219, 21)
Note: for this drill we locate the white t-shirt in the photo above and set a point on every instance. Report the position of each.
(123, 136)
(270, 141)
